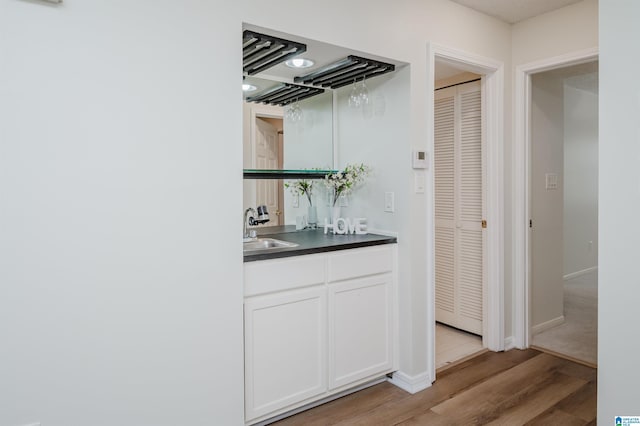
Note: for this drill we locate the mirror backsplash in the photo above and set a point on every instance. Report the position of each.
(274, 139)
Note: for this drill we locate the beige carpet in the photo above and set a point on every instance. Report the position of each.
(577, 337)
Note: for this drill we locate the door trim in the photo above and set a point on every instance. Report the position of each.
(521, 252)
(492, 72)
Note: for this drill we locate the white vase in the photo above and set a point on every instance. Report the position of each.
(335, 213)
(312, 217)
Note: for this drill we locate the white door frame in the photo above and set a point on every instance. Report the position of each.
(492, 72)
(521, 191)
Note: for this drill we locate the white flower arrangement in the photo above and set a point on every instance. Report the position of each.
(301, 187)
(343, 182)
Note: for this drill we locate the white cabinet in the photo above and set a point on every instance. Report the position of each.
(317, 325)
(361, 314)
(360, 329)
(285, 337)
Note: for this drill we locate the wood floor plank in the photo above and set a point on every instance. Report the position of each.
(536, 400)
(428, 418)
(448, 384)
(581, 371)
(510, 388)
(490, 360)
(582, 404)
(338, 411)
(556, 417)
(493, 391)
(396, 410)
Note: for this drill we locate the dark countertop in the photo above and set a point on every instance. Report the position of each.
(312, 241)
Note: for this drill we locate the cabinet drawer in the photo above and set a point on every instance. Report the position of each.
(353, 263)
(283, 274)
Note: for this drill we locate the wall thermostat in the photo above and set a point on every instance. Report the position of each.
(420, 160)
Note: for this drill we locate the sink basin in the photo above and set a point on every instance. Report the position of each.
(266, 244)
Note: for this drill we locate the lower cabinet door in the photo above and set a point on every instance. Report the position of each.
(360, 329)
(285, 349)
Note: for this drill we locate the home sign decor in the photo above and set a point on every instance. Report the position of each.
(344, 226)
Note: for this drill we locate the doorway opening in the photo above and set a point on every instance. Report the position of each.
(459, 212)
(491, 74)
(521, 196)
(563, 229)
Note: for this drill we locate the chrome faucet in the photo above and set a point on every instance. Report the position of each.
(245, 233)
(262, 217)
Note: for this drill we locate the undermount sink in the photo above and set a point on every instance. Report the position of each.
(266, 244)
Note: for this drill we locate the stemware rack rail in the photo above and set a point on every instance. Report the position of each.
(345, 71)
(261, 51)
(285, 94)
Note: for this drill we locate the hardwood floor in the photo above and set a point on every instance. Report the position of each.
(507, 388)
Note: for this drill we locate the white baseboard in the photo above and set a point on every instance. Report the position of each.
(536, 329)
(509, 344)
(411, 384)
(579, 273)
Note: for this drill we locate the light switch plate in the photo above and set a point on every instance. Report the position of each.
(551, 180)
(419, 182)
(389, 202)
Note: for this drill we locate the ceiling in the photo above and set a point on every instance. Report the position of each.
(512, 11)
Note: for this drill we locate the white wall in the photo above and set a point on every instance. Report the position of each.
(309, 143)
(366, 136)
(569, 29)
(619, 228)
(580, 180)
(400, 31)
(547, 142)
(120, 170)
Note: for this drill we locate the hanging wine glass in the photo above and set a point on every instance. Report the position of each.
(354, 96)
(294, 112)
(363, 93)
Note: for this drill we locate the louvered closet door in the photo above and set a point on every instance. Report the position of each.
(459, 207)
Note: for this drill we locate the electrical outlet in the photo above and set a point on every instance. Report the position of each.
(389, 202)
(295, 202)
(343, 201)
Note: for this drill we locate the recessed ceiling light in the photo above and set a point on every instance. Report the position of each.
(299, 63)
(248, 87)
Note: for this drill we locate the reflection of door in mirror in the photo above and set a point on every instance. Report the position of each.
(268, 155)
(263, 149)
